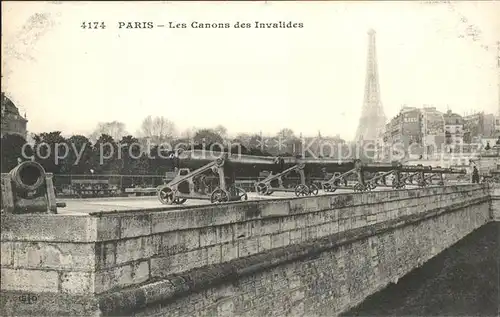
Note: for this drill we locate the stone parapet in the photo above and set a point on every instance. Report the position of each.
(109, 263)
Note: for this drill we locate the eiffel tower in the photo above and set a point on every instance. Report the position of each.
(372, 121)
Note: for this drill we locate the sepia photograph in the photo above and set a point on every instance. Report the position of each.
(250, 158)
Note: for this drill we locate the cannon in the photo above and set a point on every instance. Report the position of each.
(339, 180)
(189, 184)
(266, 186)
(27, 188)
(402, 175)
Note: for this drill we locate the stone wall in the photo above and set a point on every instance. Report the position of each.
(300, 256)
(495, 202)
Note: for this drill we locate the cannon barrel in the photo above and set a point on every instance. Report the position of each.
(27, 176)
(199, 158)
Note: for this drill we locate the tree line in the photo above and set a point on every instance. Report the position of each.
(79, 154)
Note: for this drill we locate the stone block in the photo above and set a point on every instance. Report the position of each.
(133, 249)
(135, 226)
(121, 276)
(212, 254)
(77, 282)
(304, 205)
(242, 230)
(105, 254)
(42, 255)
(224, 233)
(208, 236)
(165, 221)
(229, 251)
(176, 263)
(7, 254)
(264, 243)
(248, 247)
(296, 236)
(269, 226)
(324, 230)
(48, 227)
(280, 240)
(29, 280)
(108, 227)
(300, 221)
(179, 242)
(275, 209)
(288, 223)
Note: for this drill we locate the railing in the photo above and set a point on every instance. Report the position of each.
(93, 185)
(71, 185)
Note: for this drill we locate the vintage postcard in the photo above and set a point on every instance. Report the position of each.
(250, 158)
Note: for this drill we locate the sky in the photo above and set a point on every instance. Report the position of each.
(308, 79)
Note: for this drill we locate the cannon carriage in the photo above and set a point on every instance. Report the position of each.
(189, 184)
(214, 174)
(274, 183)
(401, 176)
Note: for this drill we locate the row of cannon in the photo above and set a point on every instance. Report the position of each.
(28, 188)
(190, 183)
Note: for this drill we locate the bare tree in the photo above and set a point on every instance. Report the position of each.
(286, 134)
(158, 129)
(115, 129)
(188, 133)
(243, 138)
(221, 130)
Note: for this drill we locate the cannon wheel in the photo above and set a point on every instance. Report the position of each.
(179, 201)
(371, 186)
(166, 195)
(327, 187)
(302, 190)
(314, 189)
(219, 196)
(219, 162)
(359, 187)
(262, 188)
(398, 186)
(241, 193)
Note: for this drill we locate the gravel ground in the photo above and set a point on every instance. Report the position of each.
(461, 281)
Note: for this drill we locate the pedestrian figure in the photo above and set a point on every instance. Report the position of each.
(277, 163)
(475, 175)
(487, 146)
(176, 160)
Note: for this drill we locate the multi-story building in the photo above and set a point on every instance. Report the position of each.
(410, 118)
(497, 126)
(478, 126)
(12, 121)
(433, 129)
(454, 128)
(417, 130)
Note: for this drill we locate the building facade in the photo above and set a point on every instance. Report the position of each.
(479, 126)
(417, 131)
(12, 121)
(454, 129)
(433, 129)
(497, 127)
